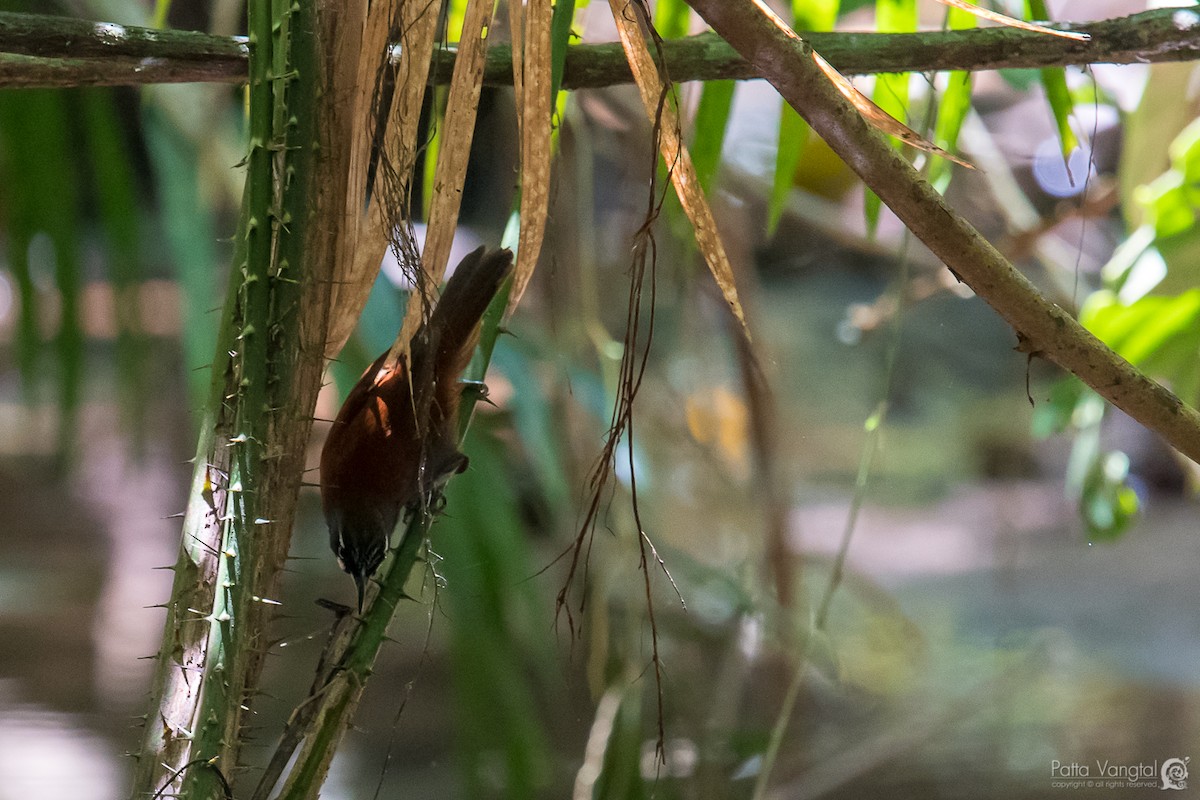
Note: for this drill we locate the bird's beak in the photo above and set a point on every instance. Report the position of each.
(360, 583)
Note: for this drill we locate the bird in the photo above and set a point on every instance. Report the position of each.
(394, 443)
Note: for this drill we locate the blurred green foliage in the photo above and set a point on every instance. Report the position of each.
(67, 155)
(1158, 332)
(503, 663)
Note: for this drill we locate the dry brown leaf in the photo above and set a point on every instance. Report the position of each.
(880, 118)
(362, 234)
(683, 174)
(535, 105)
(350, 50)
(1012, 22)
(516, 33)
(458, 127)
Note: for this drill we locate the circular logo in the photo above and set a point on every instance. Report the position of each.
(1174, 773)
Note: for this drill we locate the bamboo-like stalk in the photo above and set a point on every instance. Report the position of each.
(250, 453)
(170, 724)
(220, 686)
(40, 51)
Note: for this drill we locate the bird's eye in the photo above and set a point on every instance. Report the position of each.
(340, 550)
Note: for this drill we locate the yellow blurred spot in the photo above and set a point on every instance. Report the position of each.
(821, 172)
(719, 419)
(883, 654)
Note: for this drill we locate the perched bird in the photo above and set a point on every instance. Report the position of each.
(395, 441)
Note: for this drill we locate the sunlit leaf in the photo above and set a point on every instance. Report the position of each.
(1053, 416)
(793, 134)
(429, 159)
(1167, 203)
(952, 110)
(1160, 334)
(1054, 81)
(456, 12)
(712, 118)
(1185, 152)
(954, 104)
(891, 93)
(162, 8)
(819, 15)
(1136, 267)
(1108, 504)
(1172, 199)
(815, 15)
(891, 89)
(671, 18)
(1141, 329)
(560, 39)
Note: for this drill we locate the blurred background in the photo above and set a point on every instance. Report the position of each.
(991, 573)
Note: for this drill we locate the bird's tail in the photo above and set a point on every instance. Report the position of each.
(454, 324)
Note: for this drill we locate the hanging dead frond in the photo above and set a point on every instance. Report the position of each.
(1012, 22)
(380, 103)
(462, 107)
(653, 88)
(534, 104)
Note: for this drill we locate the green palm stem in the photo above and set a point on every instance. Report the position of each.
(266, 373)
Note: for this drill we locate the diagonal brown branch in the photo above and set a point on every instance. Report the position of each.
(1043, 328)
(43, 51)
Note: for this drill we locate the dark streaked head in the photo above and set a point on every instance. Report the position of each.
(359, 535)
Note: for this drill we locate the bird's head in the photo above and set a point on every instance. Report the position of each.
(359, 534)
